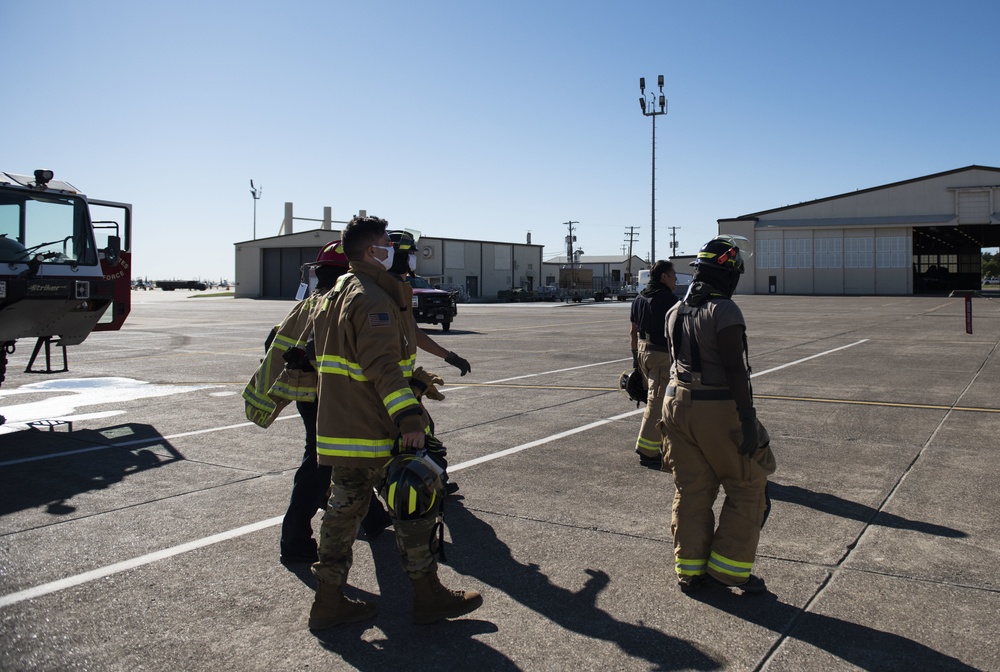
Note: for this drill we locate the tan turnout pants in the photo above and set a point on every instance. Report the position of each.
(701, 444)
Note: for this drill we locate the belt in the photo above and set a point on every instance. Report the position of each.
(703, 395)
(654, 347)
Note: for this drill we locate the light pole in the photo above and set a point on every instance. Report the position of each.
(650, 110)
(255, 192)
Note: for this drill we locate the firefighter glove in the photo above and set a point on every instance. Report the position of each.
(635, 359)
(458, 362)
(748, 423)
(423, 384)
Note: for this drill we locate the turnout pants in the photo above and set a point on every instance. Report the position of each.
(702, 439)
(350, 494)
(654, 362)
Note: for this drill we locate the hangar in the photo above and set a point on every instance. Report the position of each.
(919, 236)
(269, 268)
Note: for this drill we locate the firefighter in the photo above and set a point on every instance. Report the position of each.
(404, 264)
(287, 374)
(365, 350)
(651, 355)
(711, 433)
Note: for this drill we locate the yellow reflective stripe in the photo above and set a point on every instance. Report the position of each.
(407, 365)
(412, 504)
(284, 342)
(339, 365)
(647, 444)
(353, 447)
(263, 403)
(724, 565)
(391, 497)
(284, 391)
(400, 399)
(687, 567)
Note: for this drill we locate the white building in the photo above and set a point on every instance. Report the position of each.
(610, 272)
(919, 236)
(269, 268)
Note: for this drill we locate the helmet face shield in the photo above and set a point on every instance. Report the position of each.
(726, 252)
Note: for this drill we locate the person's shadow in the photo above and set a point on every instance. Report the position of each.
(837, 506)
(859, 645)
(447, 645)
(480, 553)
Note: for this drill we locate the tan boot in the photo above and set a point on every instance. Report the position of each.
(331, 608)
(433, 602)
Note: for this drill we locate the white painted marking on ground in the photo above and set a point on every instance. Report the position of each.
(79, 579)
(80, 392)
(101, 572)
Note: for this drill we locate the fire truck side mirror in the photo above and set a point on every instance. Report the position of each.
(113, 250)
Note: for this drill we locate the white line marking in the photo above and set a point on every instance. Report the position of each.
(806, 359)
(101, 572)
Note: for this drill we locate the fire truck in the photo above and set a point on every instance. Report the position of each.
(65, 265)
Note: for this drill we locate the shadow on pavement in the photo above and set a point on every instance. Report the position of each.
(865, 647)
(837, 506)
(451, 645)
(53, 483)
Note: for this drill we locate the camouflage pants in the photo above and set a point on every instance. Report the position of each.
(350, 494)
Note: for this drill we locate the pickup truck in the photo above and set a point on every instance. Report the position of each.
(432, 306)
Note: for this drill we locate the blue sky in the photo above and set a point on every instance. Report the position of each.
(486, 120)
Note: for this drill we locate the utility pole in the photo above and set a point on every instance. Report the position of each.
(630, 236)
(255, 192)
(570, 239)
(650, 110)
(673, 241)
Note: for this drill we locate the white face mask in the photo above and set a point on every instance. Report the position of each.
(389, 254)
(413, 263)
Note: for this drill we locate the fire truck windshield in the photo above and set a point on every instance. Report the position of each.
(57, 227)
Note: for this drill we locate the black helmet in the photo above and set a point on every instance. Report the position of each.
(633, 384)
(413, 486)
(725, 253)
(405, 243)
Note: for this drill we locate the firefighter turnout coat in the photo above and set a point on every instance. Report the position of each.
(365, 351)
(274, 386)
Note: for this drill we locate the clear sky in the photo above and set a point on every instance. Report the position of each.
(486, 120)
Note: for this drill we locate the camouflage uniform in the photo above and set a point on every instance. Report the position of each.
(349, 497)
(365, 348)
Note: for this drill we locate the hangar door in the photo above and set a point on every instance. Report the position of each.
(282, 270)
(946, 258)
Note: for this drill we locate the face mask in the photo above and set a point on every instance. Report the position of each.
(413, 263)
(390, 253)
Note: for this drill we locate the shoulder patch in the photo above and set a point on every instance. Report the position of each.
(378, 319)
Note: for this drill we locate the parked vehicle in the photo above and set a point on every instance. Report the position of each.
(431, 305)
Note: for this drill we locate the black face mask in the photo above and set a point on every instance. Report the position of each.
(400, 263)
(719, 280)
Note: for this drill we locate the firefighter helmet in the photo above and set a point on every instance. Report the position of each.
(725, 253)
(633, 385)
(413, 486)
(332, 255)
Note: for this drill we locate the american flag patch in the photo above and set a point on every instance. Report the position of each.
(378, 319)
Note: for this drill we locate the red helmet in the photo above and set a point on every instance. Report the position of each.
(332, 255)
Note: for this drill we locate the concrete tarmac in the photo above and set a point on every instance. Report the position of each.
(147, 537)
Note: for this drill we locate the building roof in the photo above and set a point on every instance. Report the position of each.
(593, 259)
(864, 191)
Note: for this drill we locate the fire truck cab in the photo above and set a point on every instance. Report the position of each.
(65, 263)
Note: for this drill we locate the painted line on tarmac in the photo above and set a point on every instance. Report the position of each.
(101, 572)
(156, 439)
(887, 404)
